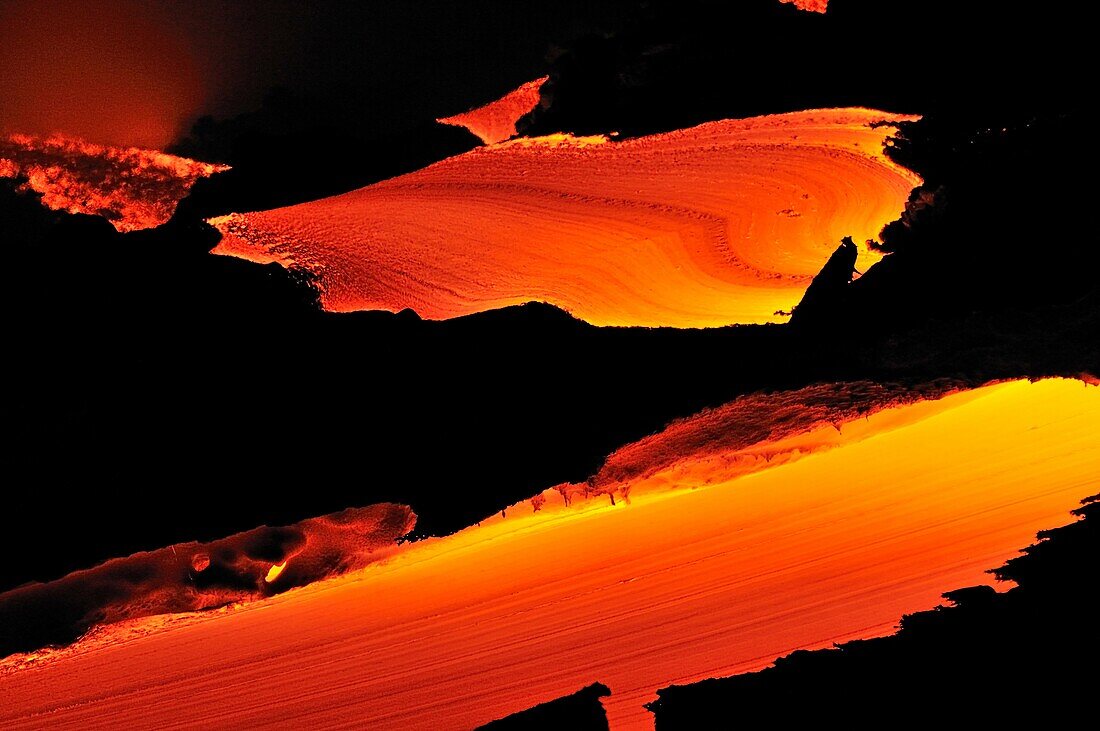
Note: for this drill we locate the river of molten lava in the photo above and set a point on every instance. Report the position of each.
(672, 586)
(722, 223)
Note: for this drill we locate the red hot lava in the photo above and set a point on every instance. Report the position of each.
(811, 6)
(130, 187)
(496, 121)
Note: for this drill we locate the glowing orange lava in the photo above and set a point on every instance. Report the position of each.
(200, 576)
(274, 571)
(496, 121)
(707, 570)
(130, 187)
(812, 6)
(722, 223)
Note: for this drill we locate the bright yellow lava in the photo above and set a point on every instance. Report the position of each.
(274, 571)
(496, 121)
(676, 585)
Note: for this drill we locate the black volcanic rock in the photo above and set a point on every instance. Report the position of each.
(581, 711)
(997, 227)
(684, 62)
(827, 295)
(284, 154)
(24, 219)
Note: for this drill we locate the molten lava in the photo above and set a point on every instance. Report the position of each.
(752, 433)
(193, 576)
(274, 572)
(496, 121)
(130, 187)
(722, 223)
(707, 570)
(812, 6)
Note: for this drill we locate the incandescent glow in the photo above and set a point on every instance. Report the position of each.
(274, 571)
(813, 6)
(707, 570)
(722, 223)
(130, 187)
(496, 121)
(751, 433)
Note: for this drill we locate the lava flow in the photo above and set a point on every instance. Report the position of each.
(811, 6)
(496, 121)
(130, 187)
(709, 569)
(722, 223)
(193, 576)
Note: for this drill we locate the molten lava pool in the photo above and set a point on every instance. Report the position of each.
(835, 540)
(718, 224)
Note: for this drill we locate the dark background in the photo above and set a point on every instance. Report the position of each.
(142, 71)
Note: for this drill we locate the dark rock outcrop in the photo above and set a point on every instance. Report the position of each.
(581, 711)
(824, 304)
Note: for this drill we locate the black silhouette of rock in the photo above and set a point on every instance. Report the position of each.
(581, 711)
(675, 63)
(825, 300)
